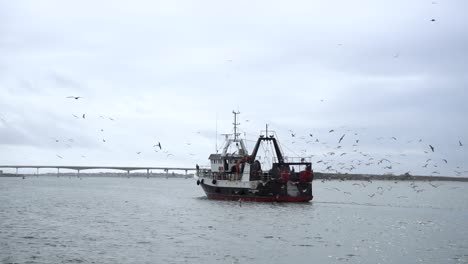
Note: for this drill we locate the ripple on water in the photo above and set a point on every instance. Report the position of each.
(112, 220)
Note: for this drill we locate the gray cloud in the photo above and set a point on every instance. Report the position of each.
(165, 70)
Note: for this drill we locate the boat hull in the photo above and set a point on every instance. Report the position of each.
(271, 193)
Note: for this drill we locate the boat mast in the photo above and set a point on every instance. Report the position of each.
(216, 144)
(235, 124)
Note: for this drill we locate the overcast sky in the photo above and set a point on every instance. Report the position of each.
(173, 71)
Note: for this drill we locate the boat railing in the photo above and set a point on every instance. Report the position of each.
(220, 175)
(295, 159)
(263, 176)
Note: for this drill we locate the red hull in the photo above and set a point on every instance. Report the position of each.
(292, 199)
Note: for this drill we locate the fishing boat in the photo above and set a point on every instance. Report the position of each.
(234, 174)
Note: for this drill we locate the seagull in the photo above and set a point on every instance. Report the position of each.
(139, 152)
(311, 135)
(396, 55)
(445, 160)
(158, 145)
(341, 138)
(433, 20)
(76, 116)
(74, 97)
(459, 143)
(394, 138)
(432, 148)
(293, 134)
(331, 131)
(103, 140)
(60, 156)
(84, 116)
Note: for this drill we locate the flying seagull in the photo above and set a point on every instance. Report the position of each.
(331, 131)
(158, 145)
(74, 97)
(432, 148)
(341, 138)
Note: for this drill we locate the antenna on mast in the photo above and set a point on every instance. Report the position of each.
(216, 144)
(235, 124)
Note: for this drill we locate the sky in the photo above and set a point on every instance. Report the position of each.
(389, 75)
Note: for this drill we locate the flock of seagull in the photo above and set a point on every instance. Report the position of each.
(156, 147)
(387, 162)
(332, 164)
(331, 159)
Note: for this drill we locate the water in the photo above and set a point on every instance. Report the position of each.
(139, 220)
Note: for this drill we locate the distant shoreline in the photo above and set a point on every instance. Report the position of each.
(385, 177)
(317, 176)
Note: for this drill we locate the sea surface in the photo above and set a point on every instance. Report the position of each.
(158, 220)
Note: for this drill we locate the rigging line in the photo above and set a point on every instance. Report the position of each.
(272, 147)
(290, 150)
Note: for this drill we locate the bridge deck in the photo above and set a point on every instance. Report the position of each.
(79, 168)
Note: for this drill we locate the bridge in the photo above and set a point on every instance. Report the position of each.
(81, 168)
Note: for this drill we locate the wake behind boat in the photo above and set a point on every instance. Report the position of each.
(236, 175)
